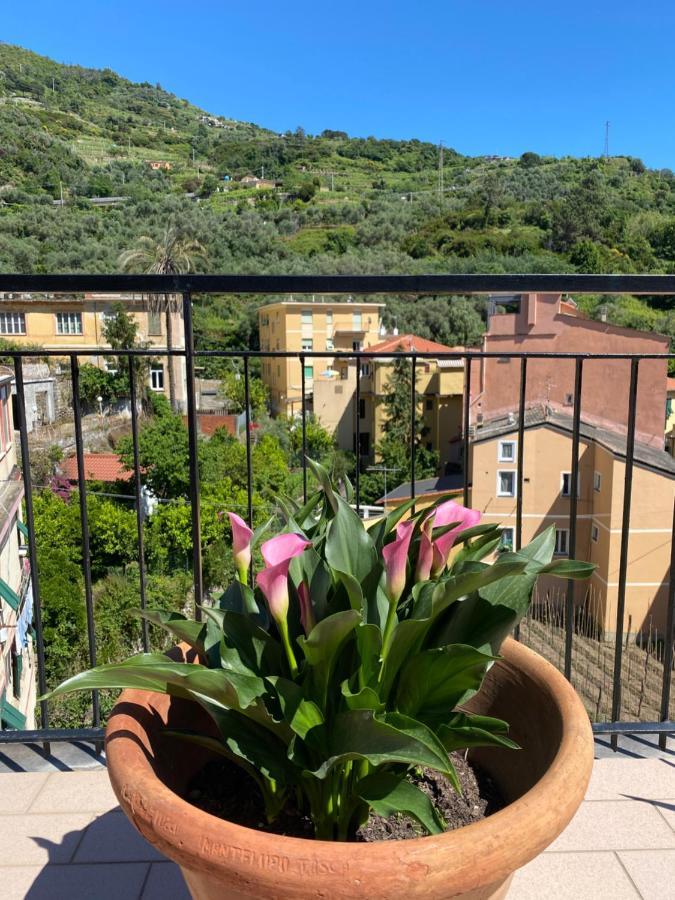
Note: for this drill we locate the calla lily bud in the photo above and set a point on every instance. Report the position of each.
(273, 582)
(306, 609)
(444, 515)
(241, 546)
(395, 556)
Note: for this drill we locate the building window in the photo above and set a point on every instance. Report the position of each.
(562, 541)
(306, 315)
(356, 346)
(362, 408)
(429, 404)
(5, 427)
(506, 483)
(309, 373)
(344, 373)
(566, 484)
(12, 323)
(507, 451)
(329, 318)
(595, 534)
(69, 323)
(430, 446)
(365, 369)
(157, 377)
(506, 539)
(356, 321)
(154, 323)
(329, 344)
(364, 443)
(307, 344)
(597, 482)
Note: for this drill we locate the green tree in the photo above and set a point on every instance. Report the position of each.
(163, 452)
(172, 254)
(120, 330)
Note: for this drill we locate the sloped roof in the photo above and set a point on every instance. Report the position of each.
(406, 343)
(441, 484)
(97, 467)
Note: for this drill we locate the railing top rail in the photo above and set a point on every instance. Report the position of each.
(102, 350)
(345, 284)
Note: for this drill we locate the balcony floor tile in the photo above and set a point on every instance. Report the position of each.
(573, 876)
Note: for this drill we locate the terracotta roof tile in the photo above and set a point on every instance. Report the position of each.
(98, 467)
(405, 343)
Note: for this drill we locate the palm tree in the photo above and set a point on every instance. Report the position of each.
(172, 254)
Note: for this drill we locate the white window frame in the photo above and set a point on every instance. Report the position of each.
(597, 482)
(308, 341)
(512, 473)
(306, 317)
(595, 533)
(562, 541)
(157, 377)
(330, 345)
(12, 322)
(357, 321)
(500, 451)
(69, 322)
(562, 484)
(509, 543)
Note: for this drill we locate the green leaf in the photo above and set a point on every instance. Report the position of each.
(245, 646)
(464, 731)
(369, 640)
(187, 630)
(568, 568)
(260, 531)
(366, 698)
(310, 568)
(349, 547)
(240, 598)
(322, 646)
(406, 640)
(433, 682)
(359, 734)
(322, 476)
(385, 525)
(388, 794)
(300, 714)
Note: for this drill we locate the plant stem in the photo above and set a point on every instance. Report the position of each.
(388, 628)
(286, 641)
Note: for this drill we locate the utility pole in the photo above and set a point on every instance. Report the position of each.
(53, 86)
(440, 175)
(606, 154)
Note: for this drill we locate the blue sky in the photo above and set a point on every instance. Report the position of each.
(483, 76)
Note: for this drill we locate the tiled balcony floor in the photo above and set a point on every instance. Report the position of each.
(63, 836)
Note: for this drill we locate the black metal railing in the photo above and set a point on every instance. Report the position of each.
(423, 286)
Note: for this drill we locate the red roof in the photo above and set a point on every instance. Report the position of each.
(405, 343)
(97, 467)
(207, 423)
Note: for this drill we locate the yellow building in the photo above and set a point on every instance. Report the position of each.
(440, 389)
(546, 489)
(61, 322)
(316, 326)
(17, 675)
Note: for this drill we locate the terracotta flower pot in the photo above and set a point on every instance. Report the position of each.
(543, 783)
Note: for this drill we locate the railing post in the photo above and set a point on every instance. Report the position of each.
(625, 531)
(668, 644)
(466, 426)
(574, 491)
(413, 426)
(139, 498)
(193, 455)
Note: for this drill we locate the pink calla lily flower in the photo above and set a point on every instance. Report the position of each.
(241, 545)
(273, 580)
(395, 556)
(445, 514)
(283, 546)
(425, 555)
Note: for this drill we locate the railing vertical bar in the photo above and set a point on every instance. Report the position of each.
(521, 453)
(193, 454)
(357, 436)
(668, 643)
(32, 548)
(84, 520)
(413, 425)
(249, 458)
(574, 492)
(466, 426)
(522, 394)
(139, 499)
(623, 558)
(303, 401)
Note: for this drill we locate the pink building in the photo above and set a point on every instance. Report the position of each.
(547, 323)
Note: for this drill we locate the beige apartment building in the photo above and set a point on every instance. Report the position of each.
(17, 661)
(69, 323)
(440, 389)
(316, 325)
(546, 500)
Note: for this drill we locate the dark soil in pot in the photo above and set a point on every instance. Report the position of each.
(222, 789)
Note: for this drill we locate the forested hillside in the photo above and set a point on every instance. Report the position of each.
(338, 204)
